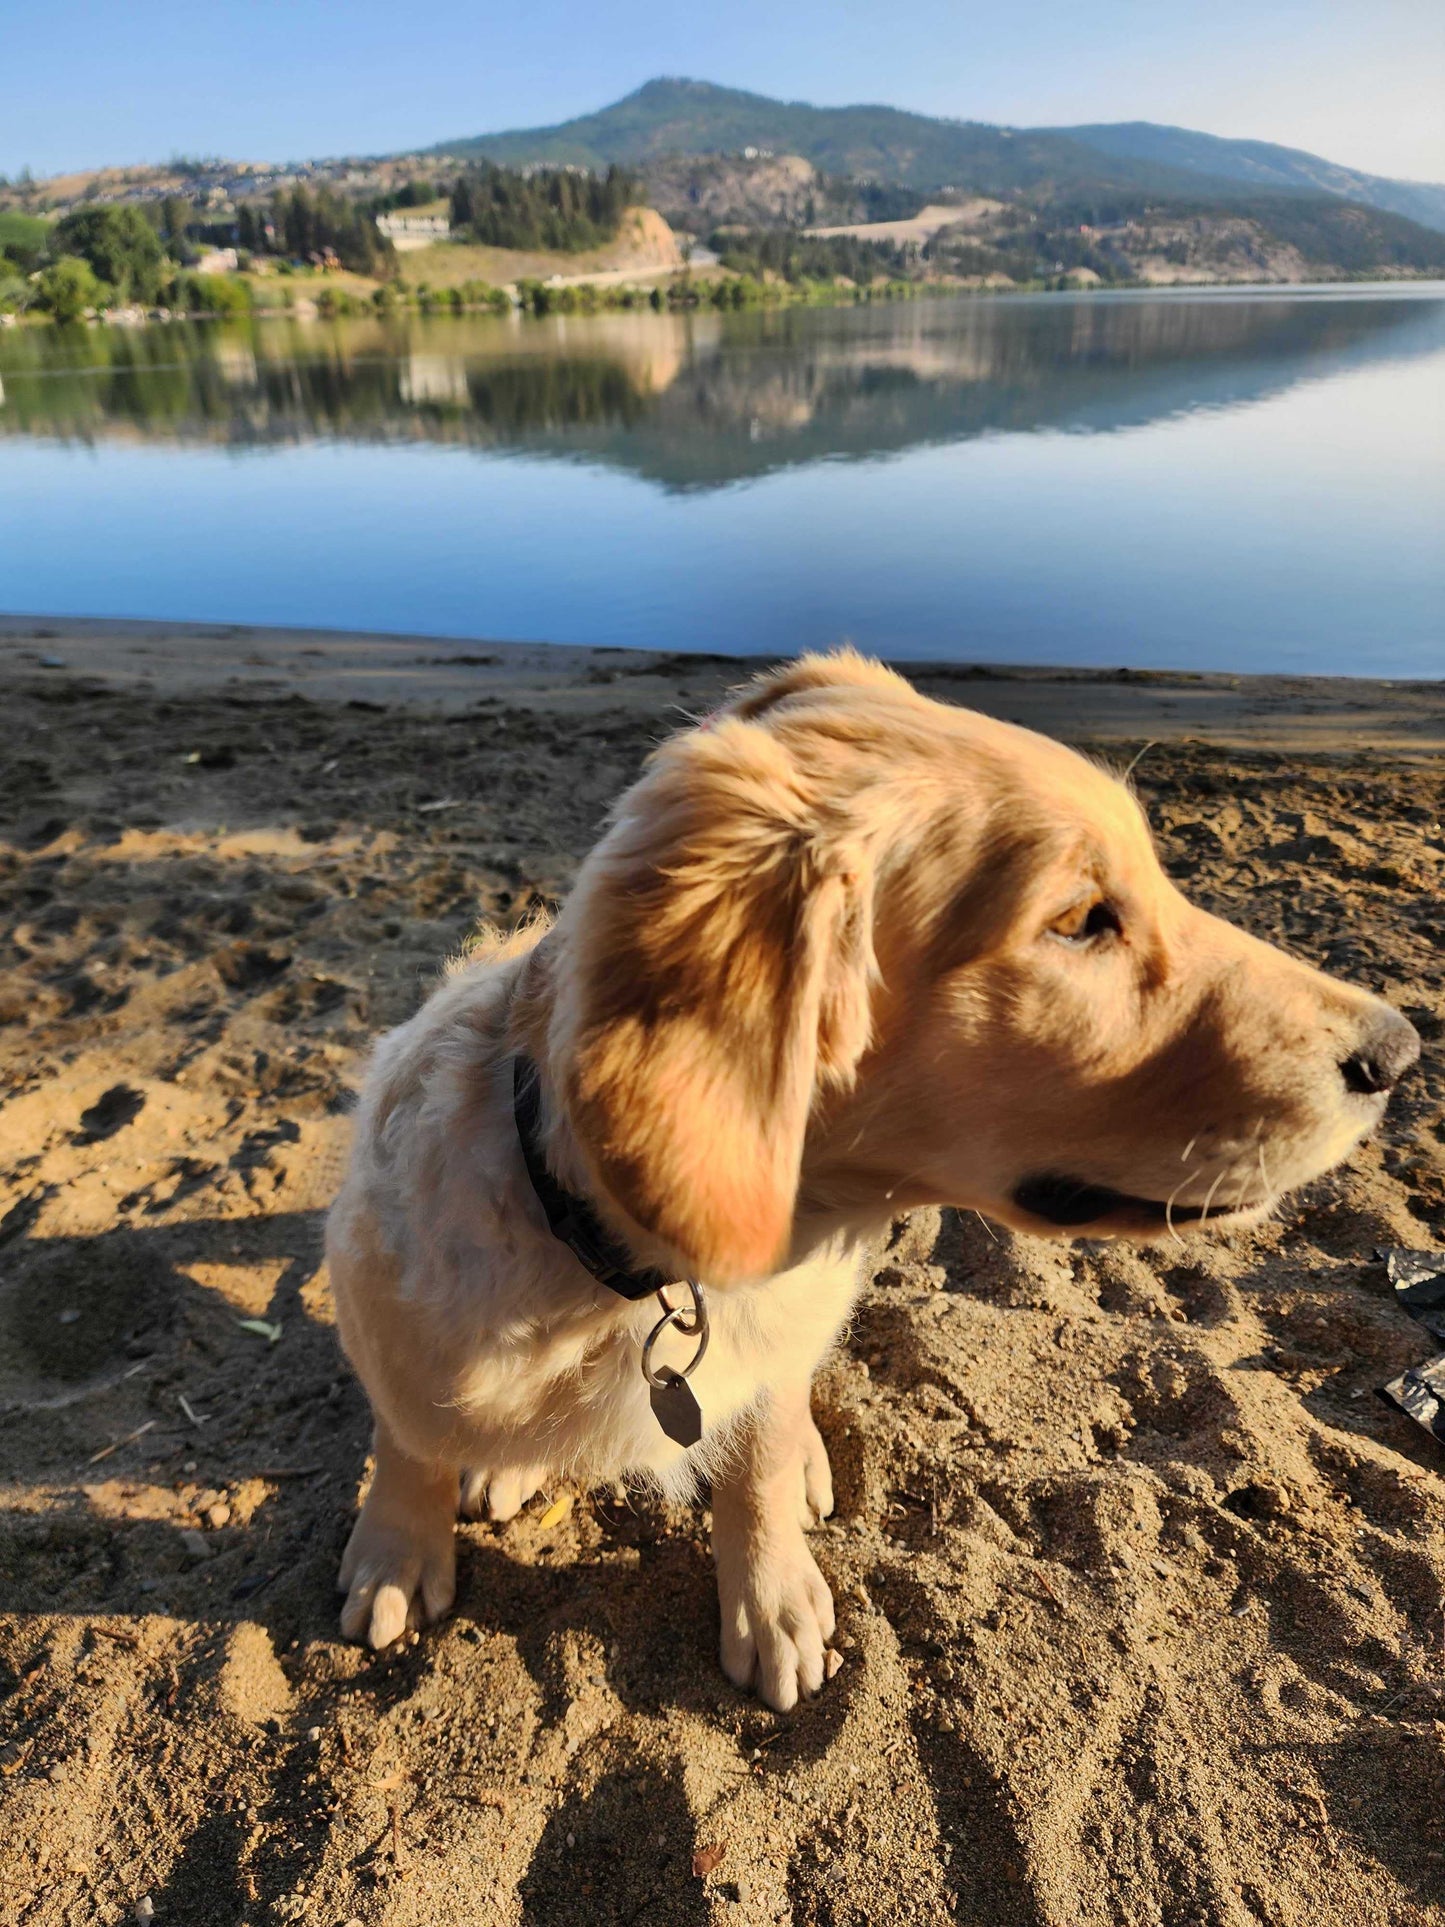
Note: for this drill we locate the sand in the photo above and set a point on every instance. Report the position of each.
(1141, 1588)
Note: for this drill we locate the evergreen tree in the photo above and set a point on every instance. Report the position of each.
(176, 217)
(308, 224)
(558, 208)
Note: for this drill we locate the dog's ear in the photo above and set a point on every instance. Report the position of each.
(718, 963)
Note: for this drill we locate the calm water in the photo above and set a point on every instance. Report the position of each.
(1215, 481)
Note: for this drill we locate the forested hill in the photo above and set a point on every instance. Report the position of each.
(882, 143)
(887, 144)
(1262, 165)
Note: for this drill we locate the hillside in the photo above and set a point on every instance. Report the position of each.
(670, 117)
(667, 117)
(699, 192)
(643, 249)
(1262, 164)
(780, 189)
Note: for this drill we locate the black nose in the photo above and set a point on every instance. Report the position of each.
(1383, 1057)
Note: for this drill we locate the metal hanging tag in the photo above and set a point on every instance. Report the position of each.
(674, 1403)
(675, 1407)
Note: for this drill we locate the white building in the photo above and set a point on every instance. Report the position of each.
(406, 231)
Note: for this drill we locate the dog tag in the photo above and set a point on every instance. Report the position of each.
(676, 1409)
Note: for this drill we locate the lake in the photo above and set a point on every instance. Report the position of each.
(1224, 480)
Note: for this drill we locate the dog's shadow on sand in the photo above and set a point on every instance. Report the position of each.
(188, 1476)
(135, 1370)
(102, 1338)
(588, 1867)
(140, 1397)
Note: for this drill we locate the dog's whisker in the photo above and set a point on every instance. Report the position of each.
(1243, 1168)
(1259, 1149)
(1169, 1205)
(1209, 1195)
(1184, 1154)
(1136, 759)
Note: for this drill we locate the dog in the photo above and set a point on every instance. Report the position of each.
(841, 951)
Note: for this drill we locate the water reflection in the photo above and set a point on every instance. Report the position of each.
(697, 401)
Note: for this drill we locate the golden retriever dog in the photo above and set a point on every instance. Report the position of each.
(841, 951)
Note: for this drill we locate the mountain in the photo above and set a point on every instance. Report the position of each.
(1262, 164)
(669, 117)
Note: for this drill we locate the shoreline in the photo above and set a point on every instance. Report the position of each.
(328, 298)
(1327, 715)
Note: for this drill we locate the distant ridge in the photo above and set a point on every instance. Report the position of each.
(1262, 164)
(872, 142)
(678, 116)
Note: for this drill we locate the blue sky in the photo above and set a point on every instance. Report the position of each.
(90, 81)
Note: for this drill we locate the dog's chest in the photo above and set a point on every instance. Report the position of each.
(585, 1406)
(762, 1336)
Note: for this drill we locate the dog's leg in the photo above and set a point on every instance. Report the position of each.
(777, 1612)
(400, 1564)
(499, 1496)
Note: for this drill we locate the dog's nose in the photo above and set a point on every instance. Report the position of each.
(1383, 1057)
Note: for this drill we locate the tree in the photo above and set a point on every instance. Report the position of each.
(15, 291)
(176, 216)
(69, 288)
(25, 238)
(119, 244)
(560, 208)
(307, 223)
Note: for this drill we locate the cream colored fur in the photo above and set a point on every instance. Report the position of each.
(823, 965)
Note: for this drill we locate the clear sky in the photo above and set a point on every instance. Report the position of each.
(91, 81)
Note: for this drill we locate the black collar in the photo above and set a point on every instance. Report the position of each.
(571, 1218)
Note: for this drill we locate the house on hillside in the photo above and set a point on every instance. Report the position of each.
(406, 231)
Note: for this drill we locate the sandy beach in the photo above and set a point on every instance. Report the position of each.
(1141, 1586)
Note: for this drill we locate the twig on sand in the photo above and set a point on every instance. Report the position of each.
(63, 1400)
(1052, 1594)
(129, 1439)
(121, 1637)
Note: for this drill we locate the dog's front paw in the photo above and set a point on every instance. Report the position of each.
(777, 1619)
(395, 1579)
(499, 1496)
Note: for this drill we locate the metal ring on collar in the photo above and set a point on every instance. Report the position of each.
(689, 1321)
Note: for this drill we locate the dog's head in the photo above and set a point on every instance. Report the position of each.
(845, 950)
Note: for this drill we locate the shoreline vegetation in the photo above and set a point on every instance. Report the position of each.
(563, 240)
(319, 295)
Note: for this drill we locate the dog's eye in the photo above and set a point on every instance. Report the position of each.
(1086, 922)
